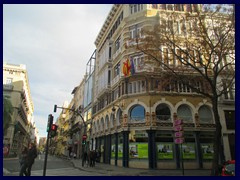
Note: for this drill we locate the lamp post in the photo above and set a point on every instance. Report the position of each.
(84, 123)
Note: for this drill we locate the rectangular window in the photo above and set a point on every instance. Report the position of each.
(9, 80)
(117, 43)
(134, 8)
(117, 70)
(163, 6)
(165, 55)
(207, 151)
(164, 151)
(154, 6)
(230, 119)
(130, 88)
(135, 31)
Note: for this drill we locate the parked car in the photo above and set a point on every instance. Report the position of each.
(228, 168)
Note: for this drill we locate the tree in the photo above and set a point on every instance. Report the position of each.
(198, 50)
(7, 114)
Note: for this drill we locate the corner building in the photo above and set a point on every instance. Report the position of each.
(132, 117)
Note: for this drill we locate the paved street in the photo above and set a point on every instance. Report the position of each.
(63, 167)
(58, 172)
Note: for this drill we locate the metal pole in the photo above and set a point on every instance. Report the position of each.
(46, 155)
(182, 161)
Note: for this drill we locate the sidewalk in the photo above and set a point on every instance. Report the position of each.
(111, 170)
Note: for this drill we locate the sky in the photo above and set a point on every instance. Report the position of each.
(55, 42)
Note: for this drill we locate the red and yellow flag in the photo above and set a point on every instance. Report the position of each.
(126, 67)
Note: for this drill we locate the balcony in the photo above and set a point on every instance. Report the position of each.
(8, 87)
(117, 53)
(115, 80)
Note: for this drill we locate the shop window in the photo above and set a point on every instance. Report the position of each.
(207, 151)
(164, 145)
(113, 148)
(188, 150)
(138, 146)
(164, 150)
(120, 146)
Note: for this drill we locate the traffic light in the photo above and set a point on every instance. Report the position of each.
(55, 108)
(50, 121)
(84, 138)
(53, 131)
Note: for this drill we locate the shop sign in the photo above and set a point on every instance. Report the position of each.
(179, 134)
(179, 140)
(178, 128)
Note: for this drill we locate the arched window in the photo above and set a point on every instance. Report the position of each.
(102, 124)
(137, 113)
(205, 114)
(118, 117)
(112, 121)
(163, 112)
(107, 122)
(94, 127)
(184, 112)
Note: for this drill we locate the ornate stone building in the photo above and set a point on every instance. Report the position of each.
(132, 116)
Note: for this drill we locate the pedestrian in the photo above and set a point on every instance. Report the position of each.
(32, 154)
(91, 158)
(69, 152)
(94, 158)
(85, 159)
(98, 155)
(23, 161)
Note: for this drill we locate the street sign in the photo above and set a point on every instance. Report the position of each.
(178, 122)
(179, 140)
(179, 134)
(5, 150)
(178, 128)
(84, 137)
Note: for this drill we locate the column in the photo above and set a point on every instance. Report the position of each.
(152, 155)
(178, 155)
(199, 150)
(109, 144)
(125, 148)
(104, 149)
(116, 148)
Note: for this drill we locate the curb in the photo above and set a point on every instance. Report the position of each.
(5, 171)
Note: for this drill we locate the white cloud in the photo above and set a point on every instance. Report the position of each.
(54, 42)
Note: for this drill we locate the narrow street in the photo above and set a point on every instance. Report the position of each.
(63, 167)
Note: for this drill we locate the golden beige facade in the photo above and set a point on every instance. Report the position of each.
(132, 121)
(16, 88)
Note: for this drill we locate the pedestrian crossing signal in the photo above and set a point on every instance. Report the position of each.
(53, 131)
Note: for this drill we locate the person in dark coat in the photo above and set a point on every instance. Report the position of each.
(32, 154)
(22, 161)
(94, 155)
